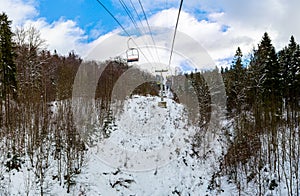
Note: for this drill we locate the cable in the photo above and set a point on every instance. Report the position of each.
(136, 12)
(143, 31)
(122, 28)
(135, 24)
(166, 7)
(129, 14)
(140, 20)
(176, 26)
(151, 34)
(113, 17)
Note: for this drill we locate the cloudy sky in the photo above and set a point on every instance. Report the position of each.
(220, 26)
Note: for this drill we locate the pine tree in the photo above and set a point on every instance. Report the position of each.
(267, 58)
(237, 75)
(289, 59)
(271, 96)
(265, 75)
(8, 83)
(7, 65)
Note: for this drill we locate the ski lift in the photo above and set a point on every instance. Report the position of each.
(132, 54)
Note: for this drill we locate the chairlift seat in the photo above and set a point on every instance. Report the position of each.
(129, 60)
(132, 55)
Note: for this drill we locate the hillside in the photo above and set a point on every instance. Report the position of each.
(149, 152)
(74, 127)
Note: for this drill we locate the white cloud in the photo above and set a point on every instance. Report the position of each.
(277, 17)
(19, 11)
(219, 44)
(244, 21)
(209, 34)
(62, 35)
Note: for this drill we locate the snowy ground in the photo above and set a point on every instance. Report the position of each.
(148, 153)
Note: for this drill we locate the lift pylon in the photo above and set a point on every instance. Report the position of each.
(162, 103)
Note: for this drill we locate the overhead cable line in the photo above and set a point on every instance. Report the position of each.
(135, 24)
(139, 18)
(129, 14)
(113, 16)
(136, 12)
(151, 34)
(107, 10)
(176, 26)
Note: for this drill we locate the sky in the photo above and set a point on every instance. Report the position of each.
(220, 26)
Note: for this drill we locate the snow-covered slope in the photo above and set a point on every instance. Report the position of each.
(149, 152)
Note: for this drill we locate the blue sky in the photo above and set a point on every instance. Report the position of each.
(220, 26)
(92, 17)
(89, 15)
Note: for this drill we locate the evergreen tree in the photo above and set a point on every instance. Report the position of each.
(256, 78)
(8, 84)
(7, 65)
(268, 59)
(289, 59)
(237, 75)
(271, 97)
(296, 70)
(267, 76)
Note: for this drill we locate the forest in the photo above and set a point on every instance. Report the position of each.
(262, 113)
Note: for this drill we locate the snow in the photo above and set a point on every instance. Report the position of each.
(149, 152)
(146, 136)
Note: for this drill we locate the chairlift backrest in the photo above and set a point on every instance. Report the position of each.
(132, 55)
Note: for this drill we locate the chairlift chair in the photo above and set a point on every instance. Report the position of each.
(132, 55)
